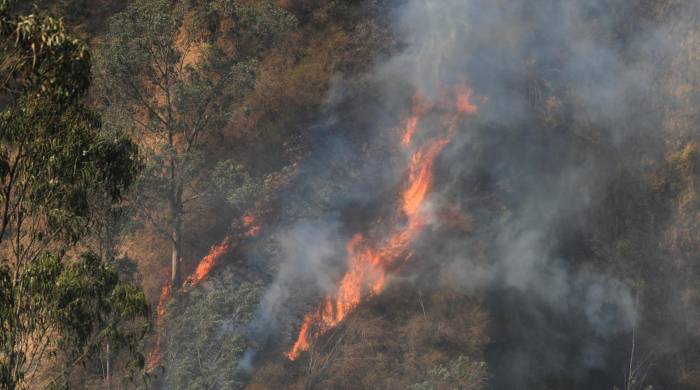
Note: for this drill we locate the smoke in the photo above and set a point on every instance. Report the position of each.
(596, 83)
(555, 80)
(312, 253)
(245, 364)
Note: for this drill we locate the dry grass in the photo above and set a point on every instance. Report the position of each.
(390, 342)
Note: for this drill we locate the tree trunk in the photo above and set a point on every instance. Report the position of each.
(176, 218)
(108, 378)
(175, 209)
(176, 254)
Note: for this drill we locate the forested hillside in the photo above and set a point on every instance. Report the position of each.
(357, 194)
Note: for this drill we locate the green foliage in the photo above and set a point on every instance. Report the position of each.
(262, 23)
(40, 57)
(174, 89)
(55, 167)
(130, 43)
(205, 336)
(233, 181)
(53, 159)
(259, 24)
(54, 162)
(68, 308)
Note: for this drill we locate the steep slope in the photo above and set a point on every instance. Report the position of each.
(560, 243)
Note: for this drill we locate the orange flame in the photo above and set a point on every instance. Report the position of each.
(412, 122)
(217, 252)
(155, 355)
(252, 227)
(162, 302)
(209, 262)
(464, 100)
(368, 266)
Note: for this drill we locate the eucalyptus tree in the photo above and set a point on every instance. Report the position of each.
(165, 79)
(55, 165)
(171, 72)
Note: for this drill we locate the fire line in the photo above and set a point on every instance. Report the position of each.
(367, 264)
(251, 227)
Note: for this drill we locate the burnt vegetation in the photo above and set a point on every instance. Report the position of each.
(321, 194)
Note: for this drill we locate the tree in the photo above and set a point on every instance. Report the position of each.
(210, 336)
(167, 78)
(55, 164)
(167, 82)
(67, 310)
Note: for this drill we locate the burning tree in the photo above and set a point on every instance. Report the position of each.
(169, 80)
(171, 87)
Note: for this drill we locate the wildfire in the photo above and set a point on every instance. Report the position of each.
(367, 264)
(164, 295)
(412, 122)
(208, 262)
(464, 100)
(154, 356)
(250, 222)
(250, 228)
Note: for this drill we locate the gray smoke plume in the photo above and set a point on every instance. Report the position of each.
(592, 77)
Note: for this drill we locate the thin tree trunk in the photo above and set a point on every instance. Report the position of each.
(175, 260)
(109, 373)
(176, 217)
(175, 207)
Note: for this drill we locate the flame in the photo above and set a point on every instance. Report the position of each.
(162, 302)
(420, 176)
(367, 264)
(303, 342)
(155, 355)
(209, 262)
(251, 228)
(412, 121)
(250, 222)
(217, 252)
(464, 100)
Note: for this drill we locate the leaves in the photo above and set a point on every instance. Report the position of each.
(72, 305)
(40, 57)
(207, 337)
(56, 165)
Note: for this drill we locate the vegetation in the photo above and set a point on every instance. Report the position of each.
(207, 342)
(461, 373)
(172, 88)
(117, 175)
(55, 166)
(436, 342)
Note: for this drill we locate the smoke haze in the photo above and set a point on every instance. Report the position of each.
(563, 90)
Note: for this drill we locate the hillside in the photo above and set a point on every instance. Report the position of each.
(410, 194)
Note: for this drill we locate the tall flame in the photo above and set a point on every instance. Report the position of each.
(367, 264)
